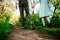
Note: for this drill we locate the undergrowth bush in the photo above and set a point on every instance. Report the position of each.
(5, 29)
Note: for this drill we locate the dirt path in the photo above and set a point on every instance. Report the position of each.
(21, 34)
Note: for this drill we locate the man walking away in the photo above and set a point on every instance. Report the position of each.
(23, 5)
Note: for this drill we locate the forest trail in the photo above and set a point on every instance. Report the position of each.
(24, 34)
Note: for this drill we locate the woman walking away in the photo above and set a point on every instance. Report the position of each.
(44, 11)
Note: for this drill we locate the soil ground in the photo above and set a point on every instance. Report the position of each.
(24, 34)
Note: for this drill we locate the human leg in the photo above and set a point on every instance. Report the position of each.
(29, 16)
(48, 19)
(22, 16)
(43, 21)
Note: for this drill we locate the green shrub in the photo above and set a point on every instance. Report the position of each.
(49, 31)
(55, 21)
(5, 29)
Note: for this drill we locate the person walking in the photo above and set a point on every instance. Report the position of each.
(23, 5)
(44, 12)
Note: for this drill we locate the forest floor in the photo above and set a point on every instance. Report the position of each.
(24, 34)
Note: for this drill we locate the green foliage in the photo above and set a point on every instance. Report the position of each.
(35, 16)
(4, 13)
(55, 21)
(5, 16)
(38, 25)
(5, 29)
(44, 30)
